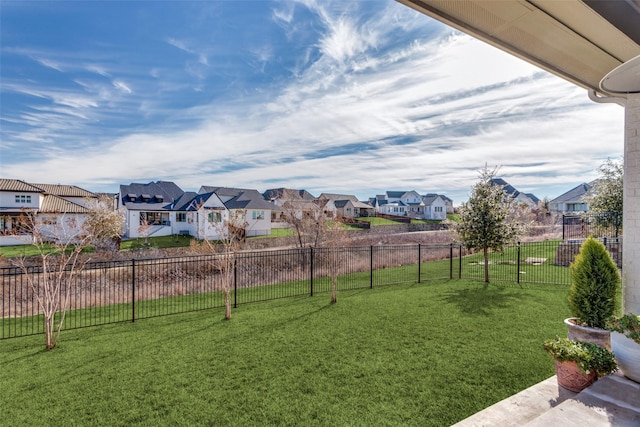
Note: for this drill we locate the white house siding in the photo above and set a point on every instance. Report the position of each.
(261, 225)
(61, 227)
(210, 230)
(436, 210)
(16, 239)
(133, 225)
(8, 199)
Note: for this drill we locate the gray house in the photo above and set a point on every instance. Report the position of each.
(573, 200)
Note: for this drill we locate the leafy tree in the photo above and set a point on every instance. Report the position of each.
(484, 217)
(606, 195)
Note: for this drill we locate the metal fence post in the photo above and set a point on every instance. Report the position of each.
(133, 290)
(518, 265)
(460, 262)
(235, 283)
(311, 269)
(450, 260)
(371, 267)
(419, 262)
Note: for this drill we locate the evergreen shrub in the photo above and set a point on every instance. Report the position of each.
(594, 283)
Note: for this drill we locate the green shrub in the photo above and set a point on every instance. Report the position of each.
(628, 325)
(589, 356)
(594, 282)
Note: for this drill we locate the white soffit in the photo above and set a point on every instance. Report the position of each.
(565, 37)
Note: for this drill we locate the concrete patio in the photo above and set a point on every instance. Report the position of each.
(611, 401)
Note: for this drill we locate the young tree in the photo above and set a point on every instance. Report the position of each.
(144, 229)
(484, 218)
(335, 239)
(60, 239)
(225, 251)
(606, 195)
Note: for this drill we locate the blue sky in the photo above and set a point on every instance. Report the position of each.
(343, 97)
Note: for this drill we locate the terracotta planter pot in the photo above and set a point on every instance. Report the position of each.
(585, 333)
(627, 353)
(570, 377)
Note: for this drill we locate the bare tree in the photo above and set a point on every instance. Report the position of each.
(335, 239)
(231, 232)
(144, 229)
(60, 240)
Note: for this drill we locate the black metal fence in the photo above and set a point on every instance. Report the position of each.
(599, 225)
(119, 291)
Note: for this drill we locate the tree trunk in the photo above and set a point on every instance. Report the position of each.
(48, 332)
(227, 304)
(334, 289)
(486, 264)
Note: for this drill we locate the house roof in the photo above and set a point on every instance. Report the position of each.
(239, 198)
(55, 204)
(395, 194)
(189, 201)
(362, 205)
(334, 197)
(574, 195)
(167, 191)
(445, 198)
(65, 190)
(510, 190)
(430, 198)
(17, 185)
(280, 193)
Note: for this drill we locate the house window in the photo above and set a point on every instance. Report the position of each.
(181, 217)
(258, 215)
(22, 198)
(154, 218)
(438, 209)
(214, 217)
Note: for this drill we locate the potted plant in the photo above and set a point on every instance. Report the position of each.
(625, 344)
(592, 295)
(579, 363)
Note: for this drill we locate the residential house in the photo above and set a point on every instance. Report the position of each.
(435, 207)
(150, 208)
(203, 216)
(573, 201)
(250, 203)
(60, 209)
(515, 195)
(346, 205)
(295, 202)
(399, 203)
(448, 202)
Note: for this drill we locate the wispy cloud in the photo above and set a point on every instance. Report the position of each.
(355, 110)
(118, 84)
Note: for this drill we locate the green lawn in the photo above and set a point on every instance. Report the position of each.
(414, 354)
(374, 221)
(173, 241)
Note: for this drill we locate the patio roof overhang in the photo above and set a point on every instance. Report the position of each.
(578, 40)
